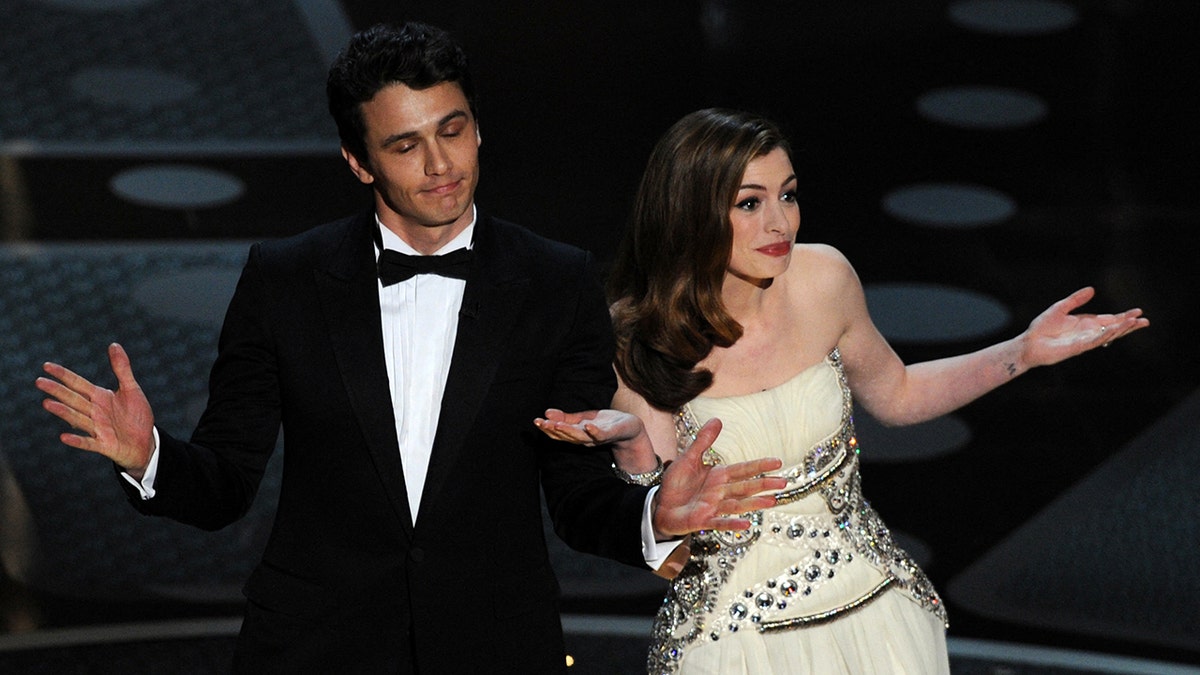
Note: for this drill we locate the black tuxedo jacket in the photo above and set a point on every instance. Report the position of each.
(346, 581)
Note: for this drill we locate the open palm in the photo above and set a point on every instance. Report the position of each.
(696, 495)
(1057, 334)
(117, 424)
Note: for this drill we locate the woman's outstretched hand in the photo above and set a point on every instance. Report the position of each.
(591, 427)
(631, 446)
(117, 424)
(1057, 334)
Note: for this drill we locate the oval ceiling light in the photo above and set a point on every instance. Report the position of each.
(933, 313)
(949, 205)
(880, 444)
(176, 186)
(982, 107)
(1014, 17)
(97, 5)
(135, 88)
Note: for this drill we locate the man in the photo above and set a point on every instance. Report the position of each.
(408, 536)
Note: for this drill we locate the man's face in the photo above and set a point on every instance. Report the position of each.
(422, 161)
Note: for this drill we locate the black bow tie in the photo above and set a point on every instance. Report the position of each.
(395, 266)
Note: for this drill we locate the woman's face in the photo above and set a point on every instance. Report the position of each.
(764, 218)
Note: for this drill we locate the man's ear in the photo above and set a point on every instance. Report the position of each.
(359, 169)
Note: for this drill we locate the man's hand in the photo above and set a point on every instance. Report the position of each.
(696, 496)
(117, 424)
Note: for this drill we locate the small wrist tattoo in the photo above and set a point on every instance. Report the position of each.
(1012, 369)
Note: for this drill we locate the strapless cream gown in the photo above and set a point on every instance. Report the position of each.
(816, 585)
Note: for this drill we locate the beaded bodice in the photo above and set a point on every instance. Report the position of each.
(819, 553)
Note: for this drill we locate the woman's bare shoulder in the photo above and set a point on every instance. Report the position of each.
(820, 252)
(822, 266)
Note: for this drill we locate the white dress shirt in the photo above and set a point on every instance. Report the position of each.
(420, 324)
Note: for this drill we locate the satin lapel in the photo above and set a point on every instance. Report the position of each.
(350, 298)
(496, 289)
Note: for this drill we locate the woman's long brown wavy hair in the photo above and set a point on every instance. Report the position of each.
(665, 286)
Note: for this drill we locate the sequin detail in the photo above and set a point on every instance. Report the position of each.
(699, 607)
(828, 615)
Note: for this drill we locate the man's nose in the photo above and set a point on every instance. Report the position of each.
(438, 161)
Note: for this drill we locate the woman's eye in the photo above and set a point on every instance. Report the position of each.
(789, 196)
(748, 204)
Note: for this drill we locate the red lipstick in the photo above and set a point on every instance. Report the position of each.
(776, 250)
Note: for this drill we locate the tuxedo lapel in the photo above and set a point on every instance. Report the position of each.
(495, 291)
(349, 295)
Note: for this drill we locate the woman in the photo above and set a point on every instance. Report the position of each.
(719, 315)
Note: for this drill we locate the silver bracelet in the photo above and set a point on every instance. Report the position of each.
(651, 477)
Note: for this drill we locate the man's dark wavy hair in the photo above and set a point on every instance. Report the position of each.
(414, 54)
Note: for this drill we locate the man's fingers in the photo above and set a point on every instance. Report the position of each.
(79, 442)
(69, 405)
(733, 505)
(729, 512)
(694, 455)
(707, 434)
(68, 414)
(757, 485)
(76, 383)
(86, 443)
(72, 440)
(726, 523)
(121, 367)
(69, 397)
(748, 504)
(742, 489)
(731, 473)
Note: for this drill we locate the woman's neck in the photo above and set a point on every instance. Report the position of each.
(744, 299)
